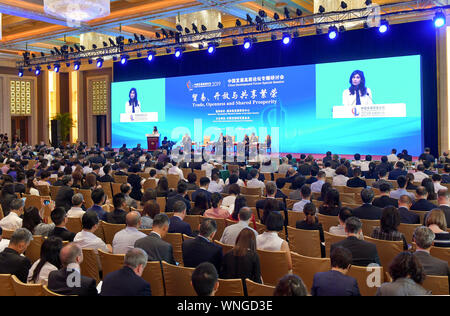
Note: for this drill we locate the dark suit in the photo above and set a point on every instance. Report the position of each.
(260, 207)
(207, 193)
(198, 250)
(367, 211)
(334, 283)
(407, 217)
(432, 265)
(172, 198)
(58, 283)
(5, 202)
(445, 178)
(423, 205)
(363, 252)
(394, 174)
(13, 263)
(19, 188)
(384, 201)
(356, 183)
(156, 248)
(116, 217)
(106, 178)
(62, 233)
(446, 211)
(125, 282)
(64, 197)
(179, 226)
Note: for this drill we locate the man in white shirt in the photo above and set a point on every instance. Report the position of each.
(437, 183)
(175, 170)
(393, 156)
(239, 181)
(317, 186)
(45, 178)
(86, 238)
(305, 193)
(329, 172)
(232, 232)
(284, 167)
(254, 182)
(208, 166)
(12, 221)
(76, 211)
(419, 175)
(124, 240)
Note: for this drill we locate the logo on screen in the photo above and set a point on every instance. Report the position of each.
(355, 111)
(189, 85)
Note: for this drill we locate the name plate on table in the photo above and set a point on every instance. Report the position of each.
(370, 111)
(139, 117)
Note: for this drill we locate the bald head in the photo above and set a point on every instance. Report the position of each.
(69, 254)
(132, 219)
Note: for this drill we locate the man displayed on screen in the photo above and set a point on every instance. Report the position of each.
(358, 93)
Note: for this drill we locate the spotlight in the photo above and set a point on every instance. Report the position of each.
(384, 26)
(105, 44)
(262, 13)
(439, 19)
(341, 28)
(38, 70)
(332, 32)
(42, 54)
(20, 74)
(368, 2)
(298, 12)
(114, 58)
(321, 9)
(286, 38)
(99, 62)
(168, 50)
(94, 46)
(186, 30)
(273, 37)
(212, 47)
(343, 5)
(111, 42)
(124, 59)
(157, 35)
(238, 22)
(295, 34)
(194, 28)
(67, 64)
(136, 38)
(286, 13)
(179, 28)
(71, 49)
(178, 52)
(150, 55)
(142, 37)
(56, 67)
(90, 61)
(220, 25)
(249, 19)
(276, 17)
(204, 29)
(318, 31)
(171, 34)
(82, 47)
(247, 43)
(76, 65)
(365, 25)
(235, 42)
(139, 54)
(49, 67)
(164, 33)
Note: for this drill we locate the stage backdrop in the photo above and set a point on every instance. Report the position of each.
(298, 100)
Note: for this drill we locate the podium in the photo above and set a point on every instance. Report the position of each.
(370, 111)
(152, 142)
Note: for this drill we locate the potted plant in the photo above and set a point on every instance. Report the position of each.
(66, 123)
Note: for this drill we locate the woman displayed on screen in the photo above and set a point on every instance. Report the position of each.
(358, 93)
(133, 105)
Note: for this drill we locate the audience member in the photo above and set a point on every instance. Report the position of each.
(125, 239)
(216, 211)
(49, 261)
(151, 208)
(367, 210)
(33, 222)
(290, 285)
(76, 211)
(205, 279)
(11, 259)
(436, 222)
(177, 223)
(59, 218)
(331, 204)
(305, 192)
(388, 229)
(12, 221)
(99, 198)
(117, 216)
(231, 232)
(421, 203)
(384, 200)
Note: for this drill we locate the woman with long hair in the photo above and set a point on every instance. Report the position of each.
(216, 211)
(311, 223)
(200, 204)
(133, 105)
(48, 262)
(357, 93)
(162, 189)
(436, 221)
(242, 261)
(389, 222)
(429, 186)
(32, 221)
(332, 204)
(151, 208)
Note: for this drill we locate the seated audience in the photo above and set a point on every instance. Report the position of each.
(421, 203)
(269, 240)
(290, 285)
(228, 202)
(202, 249)
(311, 223)
(65, 193)
(151, 208)
(162, 188)
(62, 280)
(356, 181)
(424, 237)
(177, 225)
(99, 198)
(305, 193)
(180, 195)
(128, 281)
(86, 238)
(191, 185)
(12, 260)
(406, 216)
(216, 184)
(384, 200)
(341, 176)
(443, 202)
(33, 222)
(201, 204)
(76, 211)
(316, 187)
(331, 204)
(383, 177)
(407, 274)
(428, 185)
(398, 171)
(59, 218)
(297, 184)
(216, 211)
(205, 279)
(437, 179)
(156, 248)
(363, 252)
(125, 189)
(49, 261)
(367, 210)
(242, 261)
(254, 182)
(117, 216)
(124, 239)
(436, 222)
(396, 194)
(339, 230)
(12, 221)
(231, 232)
(419, 175)
(204, 184)
(389, 222)
(336, 282)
